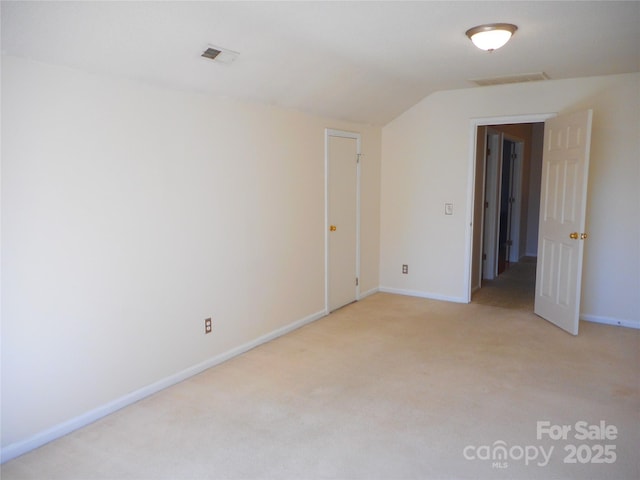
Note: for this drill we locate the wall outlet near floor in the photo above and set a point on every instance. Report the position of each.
(405, 269)
(207, 325)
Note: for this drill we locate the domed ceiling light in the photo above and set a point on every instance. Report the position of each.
(491, 36)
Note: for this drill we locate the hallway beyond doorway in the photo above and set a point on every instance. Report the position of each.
(515, 288)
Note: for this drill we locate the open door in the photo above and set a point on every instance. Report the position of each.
(491, 201)
(563, 199)
(508, 190)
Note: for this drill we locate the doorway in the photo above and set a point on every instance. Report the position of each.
(506, 207)
(501, 168)
(562, 213)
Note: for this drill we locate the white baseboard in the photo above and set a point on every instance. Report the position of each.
(19, 448)
(611, 321)
(415, 293)
(368, 293)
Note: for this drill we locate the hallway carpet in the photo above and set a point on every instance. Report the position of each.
(390, 387)
(515, 288)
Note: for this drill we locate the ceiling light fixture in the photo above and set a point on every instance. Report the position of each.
(491, 36)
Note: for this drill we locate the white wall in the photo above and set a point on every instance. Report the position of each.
(131, 213)
(426, 160)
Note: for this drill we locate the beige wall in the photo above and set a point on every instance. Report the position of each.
(131, 213)
(426, 163)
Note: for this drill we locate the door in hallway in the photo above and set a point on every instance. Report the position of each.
(342, 216)
(563, 196)
(506, 195)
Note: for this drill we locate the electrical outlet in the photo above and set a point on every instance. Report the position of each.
(405, 269)
(207, 325)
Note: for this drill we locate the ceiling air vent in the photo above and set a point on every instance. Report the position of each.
(220, 55)
(211, 53)
(520, 78)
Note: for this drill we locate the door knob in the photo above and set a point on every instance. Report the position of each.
(583, 236)
(573, 235)
(333, 228)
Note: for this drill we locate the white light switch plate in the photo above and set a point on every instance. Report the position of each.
(448, 208)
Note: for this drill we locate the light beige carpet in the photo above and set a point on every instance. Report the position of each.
(391, 387)
(515, 288)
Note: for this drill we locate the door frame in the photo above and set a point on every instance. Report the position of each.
(473, 129)
(490, 216)
(515, 185)
(329, 132)
(516, 190)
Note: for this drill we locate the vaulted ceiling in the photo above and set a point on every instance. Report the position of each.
(359, 61)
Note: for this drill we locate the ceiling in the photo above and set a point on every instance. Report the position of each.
(359, 61)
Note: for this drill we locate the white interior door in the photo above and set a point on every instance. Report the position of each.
(516, 205)
(565, 165)
(512, 162)
(492, 206)
(342, 217)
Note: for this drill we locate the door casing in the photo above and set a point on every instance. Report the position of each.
(475, 123)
